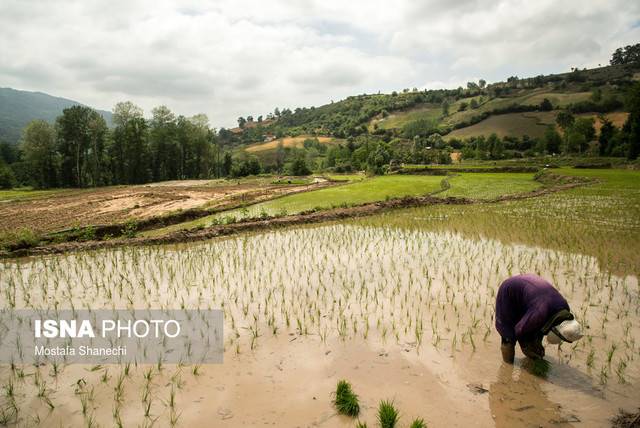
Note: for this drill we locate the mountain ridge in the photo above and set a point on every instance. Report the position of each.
(19, 107)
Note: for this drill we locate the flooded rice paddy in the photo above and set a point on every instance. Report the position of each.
(401, 305)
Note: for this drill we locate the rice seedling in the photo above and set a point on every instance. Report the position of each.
(387, 414)
(7, 416)
(418, 423)
(540, 367)
(346, 401)
(117, 418)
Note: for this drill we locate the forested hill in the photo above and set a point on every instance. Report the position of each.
(412, 112)
(17, 108)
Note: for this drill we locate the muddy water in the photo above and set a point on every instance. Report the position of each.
(400, 308)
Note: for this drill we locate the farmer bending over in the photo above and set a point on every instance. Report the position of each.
(527, 308)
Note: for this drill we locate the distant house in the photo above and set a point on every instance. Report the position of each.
(269, 137)
(456, 156)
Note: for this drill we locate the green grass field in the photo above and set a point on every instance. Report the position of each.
(346, 177)
(532, 124)
(490, 185)
(399, 119)
(28, 193)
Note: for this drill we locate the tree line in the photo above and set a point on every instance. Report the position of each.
(79, 150)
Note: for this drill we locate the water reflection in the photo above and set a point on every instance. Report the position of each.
(517, 398)
(615, 248)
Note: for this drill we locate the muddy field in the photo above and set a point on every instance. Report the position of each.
(400, 304)
(74, 208)
(407, 317)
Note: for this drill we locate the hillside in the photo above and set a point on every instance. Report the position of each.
(414, 112)
(17, 108)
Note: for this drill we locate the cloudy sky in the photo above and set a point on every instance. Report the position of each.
(231, 58)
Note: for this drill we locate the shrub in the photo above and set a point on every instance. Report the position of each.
(88, 234)
(130, 229)
(387, 414)
(7, 179)
(229, 219)
(17, 239)
(346, 401)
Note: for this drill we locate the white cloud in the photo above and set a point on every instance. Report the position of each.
(231, 58)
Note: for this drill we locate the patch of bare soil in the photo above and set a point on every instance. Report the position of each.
(119, 204)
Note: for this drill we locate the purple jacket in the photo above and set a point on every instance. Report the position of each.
(524, 304)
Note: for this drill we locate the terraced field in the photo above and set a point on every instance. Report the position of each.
(434, 112)
(532, 124)
(289, 142)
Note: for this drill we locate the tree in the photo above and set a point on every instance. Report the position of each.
(73, 144)
(482, 83)
(576, 141)
(198, 159)
(607, 132)
(96, 157)
(129, 147)
(124, 111)
(482, 148)
(241, 122)
(378, 158)
(552, 140)
(445, 108)
(82, 134)
(38, 146)
(546, 105)
(419, 127)
(163, 147)
(627, 55)
(585, 126)
(299, 166)
(565, 120)
(631, 127)
(280, 155)
(9, 153)
(496, 147)
(227, 164)
(7, 179)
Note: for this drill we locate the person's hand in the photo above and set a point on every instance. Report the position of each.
(532, 349)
